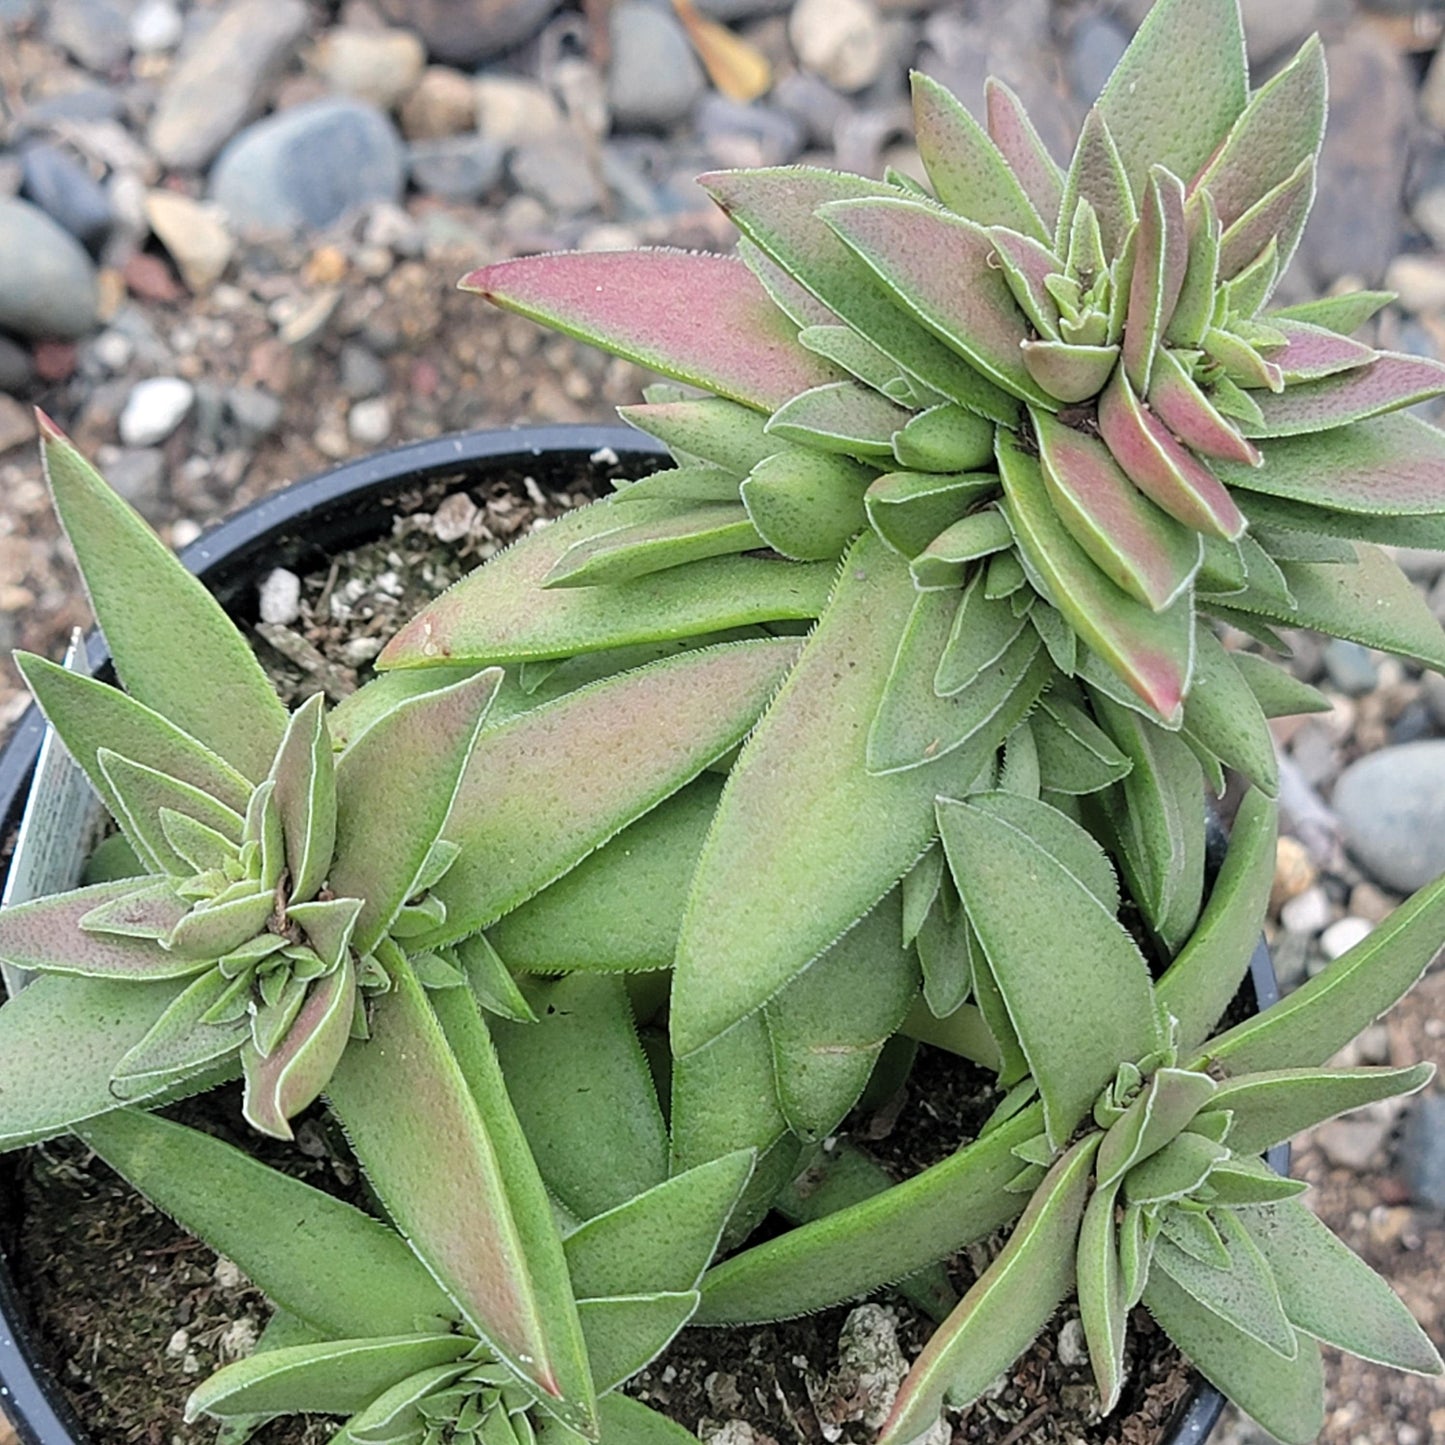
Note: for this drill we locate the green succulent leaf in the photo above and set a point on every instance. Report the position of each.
(1103, 1305)
(1273, 1106)
(653, 544)
(937, 266)
(828, 1026)
(712, 429)
(186, 1040)
(1151, 651)
(1344, 313)
(1279, 216)
(855, 354)
(620, 909)
(983, 630)
(1011, 130)
(319, 1258)
(1153, 1120)
(213, 688)
(1097, 176)
(943, 564)
(503, 613)
(968, 172)
(623, 301)
(1281, 127)
(914, 726)
(945, 438)
(1222, 713)
(776, 209)
(388, 817)
(1244, 1295)
(533, 804)
(1162, 254)
(1010, 1303)
(842, 416)
(426, 1110)
(622, 1421)
(1279, 693)
(141, 792)
(336, 1377)
(1016, 890)
(909, 509)
(661, 1240)
(1076, 756)
(1197, 987)
(877, 1240)
(1285, 1396)
(1332, 1294)
(584, 1094)
(806, 504)
(626, 1333)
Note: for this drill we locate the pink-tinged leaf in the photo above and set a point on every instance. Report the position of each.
(151, 911)
(1096, 174)
(502, 612)
(212, 687)
(1281, 128)
(1159, 267)
(1345, 313)
(844, 416)
(1070, 374)
(1012, 131)
(1194, 308)
(942, 269)
(1180, 86)
(305, 776)
(437, 1145)
(394, 790)
(328, 926)
(1159, 466)
(661, 309)
(792, 298)
(534, 802)
(181, 1044)
(1151, 651)
(777, 210)
(805, 840)
(1279, 216)
(89, 715)
(967, 170)
(1390, 382)
(283, 1083)
(1130, 539)
(1312, 352)
(210, 932)
(45, 936)
(141, 792)
(1244, 367)
(1006, 1307)
(1028, 264)
(1176, 399)
(1391, 465)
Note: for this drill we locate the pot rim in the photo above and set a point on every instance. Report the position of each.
(30, 1398)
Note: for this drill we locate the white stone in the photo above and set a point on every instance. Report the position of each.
(280, 597)
(156, 26)
(369, 421)
(194, 233)
(1420, 281)
(511, 109)
(1307, 913)
(381, 66)
(1073, 1351)
(840, 40)
(154, 409)
(1340, 937)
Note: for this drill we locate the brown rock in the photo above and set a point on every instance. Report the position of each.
(17, 424)
(150, 279)
(1294, 872)
(376, 65)
(443, 103)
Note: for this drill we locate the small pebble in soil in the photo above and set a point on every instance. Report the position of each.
(369, 422)
(1422, 1150)
(1307, 913)
(1391, 807)
(280, 596)
(1343, 935)
(154, 409)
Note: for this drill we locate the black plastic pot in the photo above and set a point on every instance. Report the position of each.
(343, 508)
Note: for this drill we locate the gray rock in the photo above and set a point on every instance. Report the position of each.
(309, 166)
(1350, 667)
(556, 172)
(1272, 27)
(47, 282)
(154, 409)
(813, 103)
(16, 370)
(747, 135)
(654, 78)
(1422, 1151)
(88, 103)
(741, 9)
(253, 412)
(1391, 807)
(137, 473)
(1355, 228)
(362, 373)
(1095, 45)
(62, 187)
(464, 32)
(511, 108)
(95, 32)
(222, 80)
(18, 12)
(458, 167)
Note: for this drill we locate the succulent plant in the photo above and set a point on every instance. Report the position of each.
(1053, 406)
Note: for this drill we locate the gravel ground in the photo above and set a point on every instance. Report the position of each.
(210, 326)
